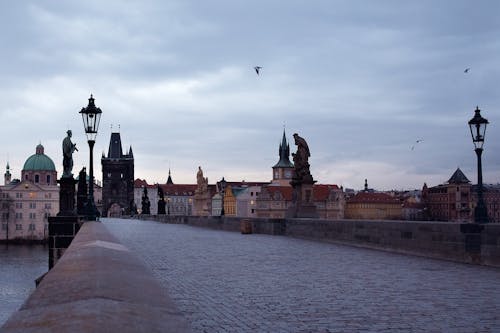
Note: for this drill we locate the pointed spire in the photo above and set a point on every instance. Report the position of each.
(115, 146)
(169, 180)
(284, 154)
(7, 177)
(130, 153)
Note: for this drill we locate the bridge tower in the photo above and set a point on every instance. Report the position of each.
(117, 178)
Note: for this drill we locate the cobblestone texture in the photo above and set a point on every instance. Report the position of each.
(228, 282)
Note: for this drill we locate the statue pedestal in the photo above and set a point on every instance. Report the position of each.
(67, 196)
(161, 207)
(303, 201)
(64, 226)
(201, 206)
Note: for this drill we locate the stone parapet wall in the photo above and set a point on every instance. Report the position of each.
(461, 242)
(98, 285)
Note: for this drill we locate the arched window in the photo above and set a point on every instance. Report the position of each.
(37, 178)
(48, 179)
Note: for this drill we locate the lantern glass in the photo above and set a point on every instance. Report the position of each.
(477, 127)
(91, 116)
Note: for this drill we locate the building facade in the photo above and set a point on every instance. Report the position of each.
(452, 201)
(455, 200)
(117, 179)
(274, 201)
(26, 204)
(373, 206)
(179, 198)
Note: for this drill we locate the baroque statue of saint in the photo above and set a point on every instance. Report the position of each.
(301, 159)
(68, 148)
(201, 181)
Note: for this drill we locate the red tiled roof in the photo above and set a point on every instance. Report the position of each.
(369, 197)
(322, 191)
(140, 182)
(178, 189)
(286, 191)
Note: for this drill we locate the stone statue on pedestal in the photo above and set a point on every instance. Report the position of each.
(145, 202)
(301, 161)
(202, 198)
(67, 182)
(302, 183)
(201, 181)
(161, 201)
(82, 193)
(68, 148)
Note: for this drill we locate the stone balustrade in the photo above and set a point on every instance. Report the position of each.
(98, 285)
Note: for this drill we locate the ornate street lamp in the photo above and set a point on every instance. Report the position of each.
(478, 129)
(223, 191)
(91, 116)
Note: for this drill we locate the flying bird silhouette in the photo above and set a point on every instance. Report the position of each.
(257, 69)
(467, 70)
(418, 141)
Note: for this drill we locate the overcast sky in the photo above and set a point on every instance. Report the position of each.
(361, 81)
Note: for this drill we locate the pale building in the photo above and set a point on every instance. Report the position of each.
(246, 201)
(178, 197)
(27, 204)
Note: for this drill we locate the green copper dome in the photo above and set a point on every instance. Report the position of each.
(39, 161)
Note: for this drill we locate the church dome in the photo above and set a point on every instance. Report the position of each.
(39, 161)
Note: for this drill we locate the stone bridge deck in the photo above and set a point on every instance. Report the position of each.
(228, 282)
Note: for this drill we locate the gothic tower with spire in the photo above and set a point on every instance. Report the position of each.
(117, 178)
(283, 170)
(7, 177)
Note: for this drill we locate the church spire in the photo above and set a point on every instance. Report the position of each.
(284, 154)
(7, 175)
(169, 180)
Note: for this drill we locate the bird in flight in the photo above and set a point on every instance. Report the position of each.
(257, 69)
(467, 70)
(418, 141)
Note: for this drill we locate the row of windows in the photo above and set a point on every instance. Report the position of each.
(32, 205)
(31, 226)
(19, 195)
(37, 178)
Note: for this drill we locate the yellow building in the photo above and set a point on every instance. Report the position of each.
(229, 202)
(373, 206)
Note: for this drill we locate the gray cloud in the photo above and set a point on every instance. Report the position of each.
(361, 81)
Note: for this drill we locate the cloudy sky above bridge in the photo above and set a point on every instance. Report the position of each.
(361, 81)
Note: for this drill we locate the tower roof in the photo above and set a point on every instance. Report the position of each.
(169, 180)
(458, 177)
(284, 154)
(115, 147)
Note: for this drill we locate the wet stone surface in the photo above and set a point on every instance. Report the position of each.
(229, 282)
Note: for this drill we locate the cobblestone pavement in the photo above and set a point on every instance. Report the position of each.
(228, 282)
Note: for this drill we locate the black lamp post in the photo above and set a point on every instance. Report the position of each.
(91, 116)
(223, 191)
(478, 129)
